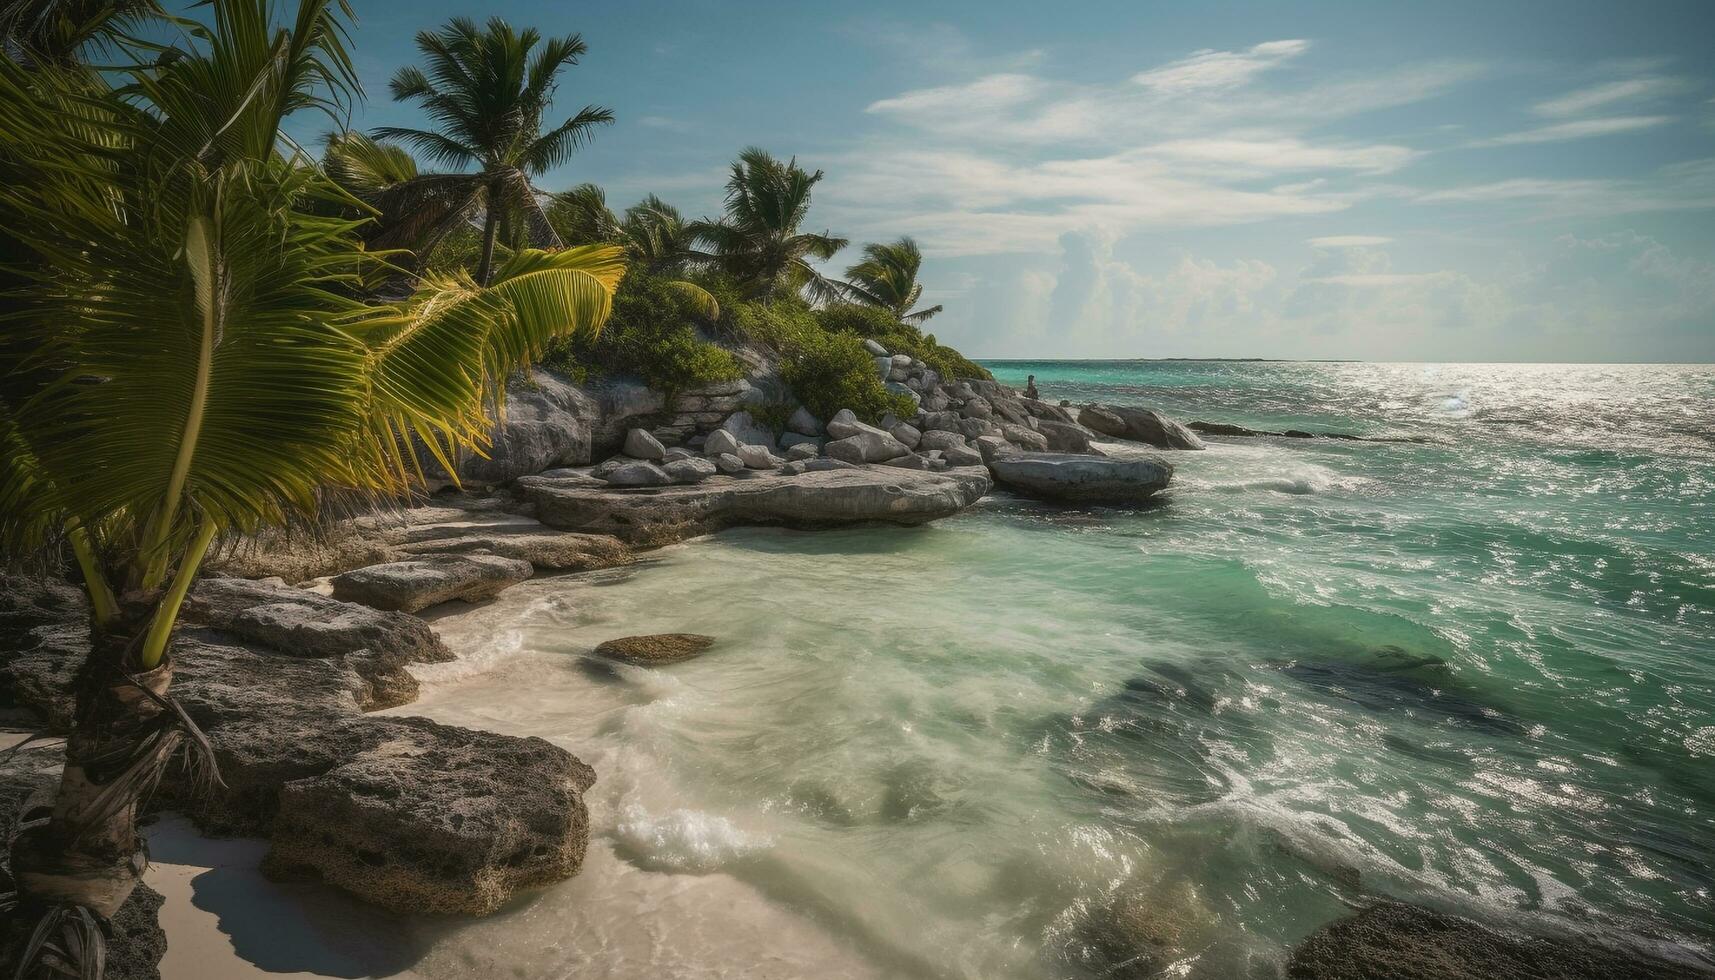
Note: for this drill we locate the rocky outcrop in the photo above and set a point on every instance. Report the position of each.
(1139, 425)
(431, 818)
(458, 820)
(655, 649)
(1081, 479)
(1229, 429)
(1410, 943)
(418, 583)
(375, 644)
(817, 498)
(451, 524)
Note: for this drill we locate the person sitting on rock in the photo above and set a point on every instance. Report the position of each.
(1030, 387)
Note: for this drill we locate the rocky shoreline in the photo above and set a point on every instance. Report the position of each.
(285, 648)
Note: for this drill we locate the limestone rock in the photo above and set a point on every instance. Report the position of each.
(758, 457)
(907, 435)
(824, 496)
(909, 461)
(1064, 437)
(419, 583)
(868, 445)
(638, 474)
(845, 424)
(656, 649)
(1082, 479)
(721, 441)
(875, 349)
(962, 456)
(941, 439)
(803, 451)
(801, 421)
(1139, 424)
(728, 463)
(747, 430)
(977, 428)
(690, 470)
(992, 447)
(641, 445)
(436, 819)
(1024, 438)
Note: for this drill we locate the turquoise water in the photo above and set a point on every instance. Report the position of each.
(1477, 673)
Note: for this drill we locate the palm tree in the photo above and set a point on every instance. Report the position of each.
(658, 241)
(58, 32)
(487, 92)
(758, 241)
(887, 277)
(184, 361)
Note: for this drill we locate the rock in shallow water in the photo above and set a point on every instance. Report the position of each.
(655, 649)
(1404, 942)
(1081, 479)
(432, 579)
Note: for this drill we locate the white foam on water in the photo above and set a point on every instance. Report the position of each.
(684, 839)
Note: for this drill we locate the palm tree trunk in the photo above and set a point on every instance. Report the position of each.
(490, 226)
(87, 854)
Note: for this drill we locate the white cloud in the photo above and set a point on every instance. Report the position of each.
(984, 94)
(1209, 69)
(1286, 154)
(1599, 96)
(1576, 130)
(1348, 241)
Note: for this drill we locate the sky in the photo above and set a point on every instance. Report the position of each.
(1448, 181)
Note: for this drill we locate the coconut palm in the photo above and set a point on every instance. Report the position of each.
(184, 361)
(887, 277)
(658, 241)
(758, 241)
(487, 90)
(58, 32)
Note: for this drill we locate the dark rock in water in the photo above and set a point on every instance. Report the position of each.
(655, 649)
(1224, 429)
(1404, 942)
(1298, 434)
(436, 819)
(1391, 680)
(1142, 930)
(1081, 478)
(418, 583)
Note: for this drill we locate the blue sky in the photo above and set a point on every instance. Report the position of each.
(1448, 181)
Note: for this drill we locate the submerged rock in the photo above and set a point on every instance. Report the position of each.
(419, 583)
(436, 819)
(820, 497)
(1400, 941)
(655, 649)
(1083, 479)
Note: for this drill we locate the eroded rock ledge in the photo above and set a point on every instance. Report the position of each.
(402, 812)
(816, 499)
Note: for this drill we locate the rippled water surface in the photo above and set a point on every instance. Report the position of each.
(1477, 673)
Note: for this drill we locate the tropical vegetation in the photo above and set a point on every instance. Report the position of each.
(188, 357)
(758, 242)
(887, 279)
(487, 90)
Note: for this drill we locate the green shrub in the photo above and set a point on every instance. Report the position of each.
(899, 338)
(772, 416)
(833, 371)
(649, 335)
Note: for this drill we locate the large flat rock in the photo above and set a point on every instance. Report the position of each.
(1076, 478)
(437, 819)
(827, 498)
(429, 580)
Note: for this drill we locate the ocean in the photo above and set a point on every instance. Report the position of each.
(1475, 672)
